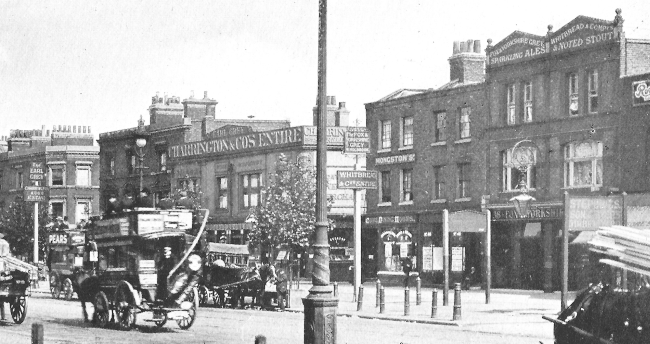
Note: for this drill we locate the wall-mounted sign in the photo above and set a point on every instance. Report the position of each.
(590, 213)
(356, 179)
(518, 46)
(641, 90)
(637, 211)
(335, 135)
(395, 159)
(534, 213)
(390, 219)
(357, 141)
(35, 193)
(229, 130)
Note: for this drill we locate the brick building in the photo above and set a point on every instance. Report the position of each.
(69, 160)
(566, 96)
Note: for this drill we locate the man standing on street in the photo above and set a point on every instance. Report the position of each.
(5, 251)
(407, 266)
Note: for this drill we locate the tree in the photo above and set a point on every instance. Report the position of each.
(17, 224)
(287, 213)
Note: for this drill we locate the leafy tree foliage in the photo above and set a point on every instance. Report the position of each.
(287, 213)
(17, 224)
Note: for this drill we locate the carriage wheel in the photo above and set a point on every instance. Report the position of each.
(67, 289)
(101, 315)
(203, 296)
(160, 318)
(55, 286)
(18, 309)
(186, 322)
(124, 306)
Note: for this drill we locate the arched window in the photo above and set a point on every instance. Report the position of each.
(583, 164)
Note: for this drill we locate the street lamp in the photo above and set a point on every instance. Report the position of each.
(140, 143)
(522, 156)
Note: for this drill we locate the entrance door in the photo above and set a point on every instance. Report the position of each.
(531, 275)
(369, 254)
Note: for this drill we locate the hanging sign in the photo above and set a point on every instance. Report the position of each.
(357, 141)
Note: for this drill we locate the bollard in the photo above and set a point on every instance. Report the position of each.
(289, 298)
(407, 306)
(457, 314)
(260, 339)
(434, 303)
(418, 290)
(37, 333)
(382, 304)
(377, 293)
(360, 299)
(298, 279)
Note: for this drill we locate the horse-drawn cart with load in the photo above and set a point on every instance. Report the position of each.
(14, 284)
(147, 266)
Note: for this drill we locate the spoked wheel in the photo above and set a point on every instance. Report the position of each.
(18, 309)
(186, 322)
(125, 306)
(160, 318)
(101, 317)
(203, 296)
(67, 289)
(55, 286)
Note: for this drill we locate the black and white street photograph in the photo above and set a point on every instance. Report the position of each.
(324, 171)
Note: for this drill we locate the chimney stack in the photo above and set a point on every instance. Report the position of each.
(467, 62)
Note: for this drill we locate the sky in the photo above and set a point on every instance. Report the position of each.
(98, 63)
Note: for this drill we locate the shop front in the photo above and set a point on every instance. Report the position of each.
(526, 250)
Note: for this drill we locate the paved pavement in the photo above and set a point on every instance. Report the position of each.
(510, 312)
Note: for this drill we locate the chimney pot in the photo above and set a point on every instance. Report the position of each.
(205, 94)
(192, 94)
(456, 47)
(74, 129)
(462, 47)
(470, 46)
(477, 46)
(341, 105)
(334, 100)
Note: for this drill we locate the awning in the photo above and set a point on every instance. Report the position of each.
(158, 235)
(584, 237)
(227, 248)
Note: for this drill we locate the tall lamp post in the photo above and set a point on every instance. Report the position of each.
(140, 142)
(320, 305)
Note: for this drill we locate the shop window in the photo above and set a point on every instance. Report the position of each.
(398, 246)
(384, 188)
(222, 192)
(440, 134)
(593, 91)
(57, 175)
(463, 180)
(438, 182)
(250, 186)
(464, 122)
(574, 98)
(82, 175)
(511, 173)
(406, 194)
(385, 134)
(407, 131)
(511, 104)
(528, 101)
(583, 164)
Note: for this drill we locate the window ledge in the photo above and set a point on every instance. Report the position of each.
(439, 143)
(516, 191)
(405, 148)
(592, 187)
(463, 140)
(438, 201)
(383, 150)
(406, 203)
(464, 199)
(384, 204)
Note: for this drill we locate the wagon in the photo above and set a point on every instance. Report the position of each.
(225, 272)
(14, 284)
(147, 267)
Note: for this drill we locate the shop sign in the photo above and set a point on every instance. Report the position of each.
(518, 46)
(466, 221)
(356, 179)
(637, 211)
(582, 32)
(229, 226)
(357, 141)
(35, 193)
(36, 171)
(590, 213)
(395, 159)
(535, 213)
(57, 238)
(334, 135)
(641, 90)
(230, 130)
(389, 220)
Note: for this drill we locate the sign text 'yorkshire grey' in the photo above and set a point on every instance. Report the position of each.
(641, 90)
(356, 179)
(582, 32)
(395, 159)
(357, 141)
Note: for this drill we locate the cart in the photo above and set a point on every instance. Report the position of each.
(147, 267)
(14, 284)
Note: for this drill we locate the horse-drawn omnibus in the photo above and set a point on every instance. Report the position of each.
(67, 261)
(147, 266)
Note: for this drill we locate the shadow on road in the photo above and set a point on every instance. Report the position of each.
(111, 326)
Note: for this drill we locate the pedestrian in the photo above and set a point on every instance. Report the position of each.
(281, 288)
(407, 266)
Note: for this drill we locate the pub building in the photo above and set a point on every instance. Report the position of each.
(228, 162)
(572, 99)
